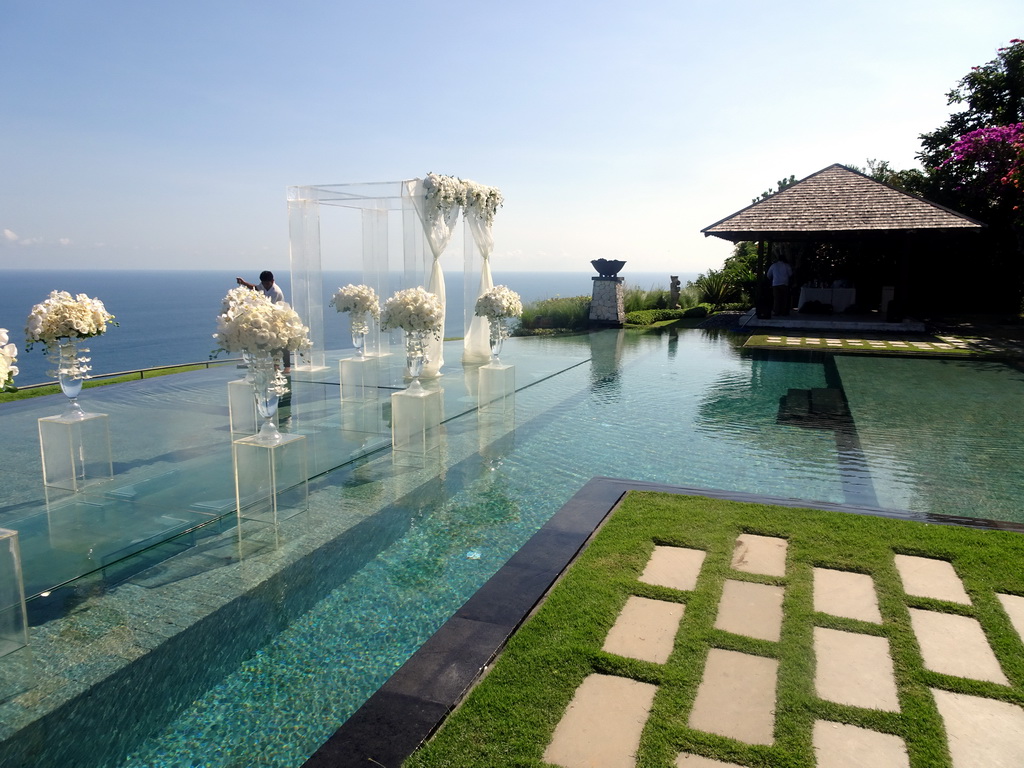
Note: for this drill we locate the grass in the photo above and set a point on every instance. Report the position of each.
(508, 719)
(54, 389)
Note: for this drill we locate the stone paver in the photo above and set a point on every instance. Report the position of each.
(754, 610)
(673, 567)
(764, 555)
(1014, 607)
(846, 594)
(837, 745)
(602, 724)
(736, 697)
(955, 645)
(928, 577)
(696, 761)
(854, 669)
(645, 629)
(982, 733)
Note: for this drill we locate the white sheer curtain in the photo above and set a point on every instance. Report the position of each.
(438, 225)
(476, 344)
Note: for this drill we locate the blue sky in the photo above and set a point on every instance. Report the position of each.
(165, 135)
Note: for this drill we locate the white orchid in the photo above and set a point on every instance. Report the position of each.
(413, 309)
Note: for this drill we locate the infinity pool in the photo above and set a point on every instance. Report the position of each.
(279, 661)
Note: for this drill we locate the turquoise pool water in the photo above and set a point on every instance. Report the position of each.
(685, 409)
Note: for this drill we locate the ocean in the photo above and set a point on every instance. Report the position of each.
(169, 317)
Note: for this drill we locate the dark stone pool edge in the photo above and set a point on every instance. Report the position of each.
(415, 701)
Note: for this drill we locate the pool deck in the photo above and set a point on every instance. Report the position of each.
(606, 717)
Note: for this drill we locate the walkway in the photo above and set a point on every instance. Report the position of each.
(736, 697)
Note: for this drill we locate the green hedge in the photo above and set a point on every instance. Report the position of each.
(651, 316)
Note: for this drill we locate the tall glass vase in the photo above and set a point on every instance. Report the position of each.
(72, 371)
(359, 330)
(497, 337)
(268, 386)
(415, 356)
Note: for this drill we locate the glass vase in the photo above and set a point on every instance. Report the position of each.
(71, 374)
(415, 356)
(497, 336)
(360, 328)
(268, 385)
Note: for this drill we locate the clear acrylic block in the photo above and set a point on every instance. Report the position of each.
(271, 479)
(75, 451)
(497, 388)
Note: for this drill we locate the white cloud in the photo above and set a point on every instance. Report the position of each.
(65, 241)
(10, 236)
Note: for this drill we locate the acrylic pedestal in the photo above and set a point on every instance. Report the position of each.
(497, 388)
(75, 451)
(360, 377)
(242, 408)
(416, 425)
(15, 661)
(271, 479)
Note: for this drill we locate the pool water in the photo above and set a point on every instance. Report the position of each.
(688, 408)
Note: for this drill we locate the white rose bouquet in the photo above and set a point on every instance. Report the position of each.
(62, 316)
(357, 299)
(60, 322)
(413, 309)
(253, 324)
(8, 358)
(498, 303)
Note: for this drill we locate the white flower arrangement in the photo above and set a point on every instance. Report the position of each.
(8, 358)
(413, 310)
(61, 322)
(357, 299)
(63, 316)
(498, 303)
(252, 324)
(443, 194)
(482, 201)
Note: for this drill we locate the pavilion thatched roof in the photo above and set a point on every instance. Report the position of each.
(837, 203)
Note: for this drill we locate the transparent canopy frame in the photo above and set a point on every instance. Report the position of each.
(372, 228)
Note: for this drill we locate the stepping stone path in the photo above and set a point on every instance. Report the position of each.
(945, 343)
(736, 694)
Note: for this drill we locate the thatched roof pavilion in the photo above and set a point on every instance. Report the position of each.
(840, 205)
(837, 202)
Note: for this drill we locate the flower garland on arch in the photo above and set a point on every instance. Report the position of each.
(444, 194)
(482, 201)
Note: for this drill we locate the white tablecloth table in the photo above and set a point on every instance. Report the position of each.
(839, 298)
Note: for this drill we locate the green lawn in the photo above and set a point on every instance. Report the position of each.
(509, 718)
(53, 389)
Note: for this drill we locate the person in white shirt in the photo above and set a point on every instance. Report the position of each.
(273, 292)
(780, 273)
